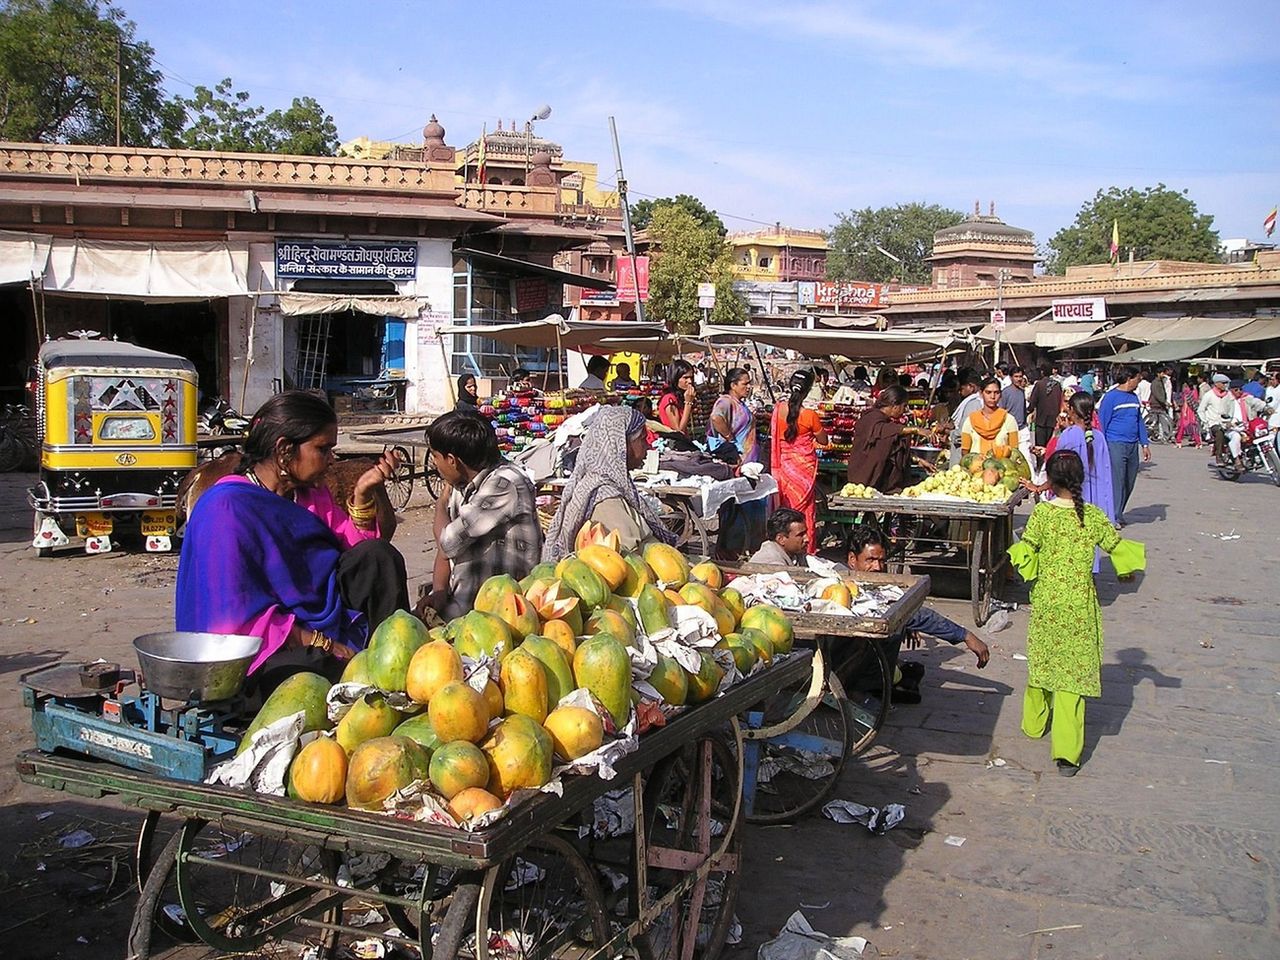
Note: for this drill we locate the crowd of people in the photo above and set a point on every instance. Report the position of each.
(269, 552)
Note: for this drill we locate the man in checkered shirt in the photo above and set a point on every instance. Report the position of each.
(488, 523)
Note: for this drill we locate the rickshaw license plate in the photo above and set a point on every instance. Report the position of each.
(93, 525)
(159, 522)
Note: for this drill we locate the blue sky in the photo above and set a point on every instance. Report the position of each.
(793, 110)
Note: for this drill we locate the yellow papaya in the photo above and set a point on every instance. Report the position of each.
(558, 667)
(523, 681)
(668, 564)
(606, 562)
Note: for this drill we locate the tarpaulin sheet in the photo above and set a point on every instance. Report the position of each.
(158, 271)
(23, 256)
(301, 304)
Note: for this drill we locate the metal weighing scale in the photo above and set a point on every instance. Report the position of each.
(82, 707)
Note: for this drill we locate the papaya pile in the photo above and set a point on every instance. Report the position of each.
(982, 479)
(538, 672)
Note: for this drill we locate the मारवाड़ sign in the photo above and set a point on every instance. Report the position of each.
(1080, 309)
(345, 260)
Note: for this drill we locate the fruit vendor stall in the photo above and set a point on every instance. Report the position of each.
(554, 773)
(955, 521)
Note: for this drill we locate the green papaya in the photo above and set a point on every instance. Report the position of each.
(560, 682)
(655, 609)
(302, 691)
(601, 664)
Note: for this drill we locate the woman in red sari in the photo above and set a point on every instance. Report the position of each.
(795, 434)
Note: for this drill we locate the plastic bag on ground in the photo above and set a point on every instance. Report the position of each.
(799, 941)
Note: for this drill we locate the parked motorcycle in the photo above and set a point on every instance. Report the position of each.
(1259, 455)
(218, 418)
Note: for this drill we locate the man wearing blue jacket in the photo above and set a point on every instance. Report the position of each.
(1120, 416)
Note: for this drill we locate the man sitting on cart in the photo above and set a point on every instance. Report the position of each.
(487, 522)
(867, 551)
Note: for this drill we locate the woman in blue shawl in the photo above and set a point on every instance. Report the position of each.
(1081, 438)
(267, 552)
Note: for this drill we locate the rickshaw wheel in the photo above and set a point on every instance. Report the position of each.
(673, 798)
(544, 902)
(981, 579)
(204, 870)
(400, 485)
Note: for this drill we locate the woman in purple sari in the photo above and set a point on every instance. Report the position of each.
(1081, 437)
(268, 552)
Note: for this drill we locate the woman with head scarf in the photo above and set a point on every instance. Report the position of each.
(601, 488)
(795, 434)
(468, 397)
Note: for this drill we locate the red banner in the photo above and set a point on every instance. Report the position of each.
(627, 279)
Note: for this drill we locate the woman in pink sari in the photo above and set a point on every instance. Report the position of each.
(795, 434)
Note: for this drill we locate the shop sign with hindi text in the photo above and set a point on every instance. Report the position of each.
(345, 260)
(1080, 310)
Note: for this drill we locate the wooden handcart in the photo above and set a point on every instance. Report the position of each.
(803, 737)
(937, 535)
(246, 873)
(414, 450)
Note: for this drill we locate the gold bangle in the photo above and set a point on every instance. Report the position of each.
(362, 516)
(320, 641)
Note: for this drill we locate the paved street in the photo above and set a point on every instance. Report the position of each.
(1166, 845)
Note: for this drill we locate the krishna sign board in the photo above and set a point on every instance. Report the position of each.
(839, 293)
(1080, 310)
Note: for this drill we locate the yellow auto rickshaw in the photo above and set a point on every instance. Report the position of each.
(117, 430)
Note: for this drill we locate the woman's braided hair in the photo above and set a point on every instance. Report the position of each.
(1065, 471)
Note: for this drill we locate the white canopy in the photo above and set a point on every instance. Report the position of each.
(889, 346)
(665, 348)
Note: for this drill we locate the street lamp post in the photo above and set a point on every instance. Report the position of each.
(541, 113)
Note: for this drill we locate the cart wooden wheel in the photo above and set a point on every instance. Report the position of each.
(691, 847)
(796, 746)
(431, 478)
(543, 903)
(981, 576)
(239, 892)
(682, 520)
(400, 485)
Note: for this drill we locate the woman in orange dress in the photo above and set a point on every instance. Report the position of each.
(795, 434)
(990, 429)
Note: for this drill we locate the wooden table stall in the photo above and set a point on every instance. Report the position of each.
(932, 534)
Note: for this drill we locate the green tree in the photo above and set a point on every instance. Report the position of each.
(58, 61)
(688, 251)
(304, 129)
(642, 212)
(1155, 224)
(861, 241)
(225, 119)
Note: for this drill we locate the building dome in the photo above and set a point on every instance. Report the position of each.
(540, 159)
(433, 130)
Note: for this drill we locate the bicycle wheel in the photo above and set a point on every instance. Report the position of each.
(690, 805)
(240, 893)
(431, 478)
(794, 762)
(1272, 459)
(543, 903)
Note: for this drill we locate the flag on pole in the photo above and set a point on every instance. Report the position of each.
(481, 173)
(1269, 224)
(1115, 241)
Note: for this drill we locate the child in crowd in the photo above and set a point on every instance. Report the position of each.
(786, 539)
(1064, 637)
(486, 523)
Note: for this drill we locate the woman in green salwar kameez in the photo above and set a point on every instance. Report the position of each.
(1064, 637)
